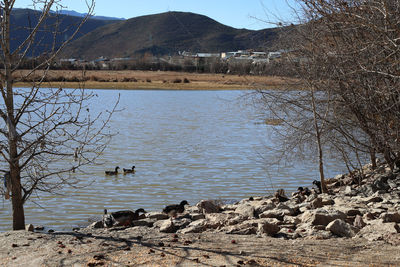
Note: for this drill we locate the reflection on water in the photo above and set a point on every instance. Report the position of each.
(188, 145)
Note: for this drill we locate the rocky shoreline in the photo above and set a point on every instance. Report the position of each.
(367, 208)
(355, 224)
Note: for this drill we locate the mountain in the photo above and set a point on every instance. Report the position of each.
(59, 26)
(82, 15)
(166, 33)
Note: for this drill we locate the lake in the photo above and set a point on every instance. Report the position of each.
(186, 145)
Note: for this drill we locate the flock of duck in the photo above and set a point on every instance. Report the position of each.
(115, 172)
(126, 217)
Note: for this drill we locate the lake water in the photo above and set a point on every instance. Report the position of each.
(188, 145)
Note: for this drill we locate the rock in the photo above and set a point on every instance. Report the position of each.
(192, 209)
(291, 220)
(319, 235)
(282, 206)
(235, 220)
(215, 220)
(392, 184)
(157, 216)
(369, 216)
(241, 230)
(349, 211)
(316, 203)
(229, 207)
(341, 228)
(359, 222)
(321, 216)
(376, 212)
(327, 202)
(197, 216)
(197, 226)
(182, 223)
(378, 230)
(263, 206)
(168, 226)
(278, 214)
(246, 211)
(29, 227)
(349, 191)
(208, 206)
(257, 226)
(367, 190)
(373, 199)
(96, 225)
(265, 227)
(390, 217)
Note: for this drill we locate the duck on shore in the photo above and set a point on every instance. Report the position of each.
(112, 172)
(121, 218)
(173, 210)
(129, 170)
(318, 185)
(280, 196)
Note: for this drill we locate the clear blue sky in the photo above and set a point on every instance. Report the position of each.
(250, 14)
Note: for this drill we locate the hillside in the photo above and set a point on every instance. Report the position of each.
(166, 33)
(23, 20)
(77, 14)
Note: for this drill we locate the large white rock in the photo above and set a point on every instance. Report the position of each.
(246, 210)
(321, 216)
(198, 226)
(378, 230)
(341, 228)
(168, 226)
(215, 220)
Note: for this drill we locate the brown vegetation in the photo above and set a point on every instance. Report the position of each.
(128, 79)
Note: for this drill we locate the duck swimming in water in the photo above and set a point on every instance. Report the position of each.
(121, 218)
(173, 210)
(112, 172)
(129, 170)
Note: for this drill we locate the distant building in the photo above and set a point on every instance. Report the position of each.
(274, 55)
(208, 55)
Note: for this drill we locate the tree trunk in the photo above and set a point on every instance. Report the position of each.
(17, 202)
(15, 172)
(318, 139)
(373, 158)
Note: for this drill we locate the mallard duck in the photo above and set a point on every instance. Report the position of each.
(318, 185)
(121, 218)
(129, 170)
(112, 172)
(304, 191)
(173, 210)
(280, 196)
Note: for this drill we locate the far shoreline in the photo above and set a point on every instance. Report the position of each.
(153, 80)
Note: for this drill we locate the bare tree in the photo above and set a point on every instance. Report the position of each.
(345, 55)
(42, 127)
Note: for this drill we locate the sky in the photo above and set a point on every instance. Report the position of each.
(249, 14)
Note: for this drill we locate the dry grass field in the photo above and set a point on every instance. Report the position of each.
(127, 79)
